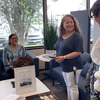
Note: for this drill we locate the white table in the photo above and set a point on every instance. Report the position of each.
(6, 88)
(43, 58)
(46, 60)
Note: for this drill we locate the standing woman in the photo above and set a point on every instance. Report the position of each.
(69, 47)
(11, 52)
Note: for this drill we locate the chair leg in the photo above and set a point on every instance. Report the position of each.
(53, 82)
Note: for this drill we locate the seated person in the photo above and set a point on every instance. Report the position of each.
(11, 52)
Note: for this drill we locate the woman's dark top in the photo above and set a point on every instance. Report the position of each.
(74, 43)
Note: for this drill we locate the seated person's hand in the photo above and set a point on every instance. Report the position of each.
(11, 66)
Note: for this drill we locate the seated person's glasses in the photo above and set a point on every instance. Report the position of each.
(14, 38)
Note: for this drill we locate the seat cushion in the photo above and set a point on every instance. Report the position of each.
(85, 69)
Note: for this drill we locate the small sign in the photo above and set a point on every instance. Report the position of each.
(25, 80)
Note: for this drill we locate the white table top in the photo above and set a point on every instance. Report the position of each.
(6, 88)
(43, 58)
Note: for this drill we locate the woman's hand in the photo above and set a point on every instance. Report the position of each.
(59, 59)
(55, 54)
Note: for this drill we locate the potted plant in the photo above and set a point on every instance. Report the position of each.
(50, 36)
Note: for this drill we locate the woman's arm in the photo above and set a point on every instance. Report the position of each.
(68, 56)
(72, 55)
(5, 59)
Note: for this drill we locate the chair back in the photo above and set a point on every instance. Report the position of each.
(86, 57)
(1, 60)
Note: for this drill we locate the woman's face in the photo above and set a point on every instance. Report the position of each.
(68, 24)
(13, 40)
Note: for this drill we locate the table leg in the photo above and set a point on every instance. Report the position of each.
(47, 65)
(46, 68)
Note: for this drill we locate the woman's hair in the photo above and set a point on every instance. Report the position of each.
(10, 36)
(76, 24)
(95, 9)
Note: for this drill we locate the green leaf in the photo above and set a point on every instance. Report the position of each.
(50, 36)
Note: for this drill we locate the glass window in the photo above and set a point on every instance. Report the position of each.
(57, 9)
(35, 32)
(4, 33)
(35, 36)
(92, 2)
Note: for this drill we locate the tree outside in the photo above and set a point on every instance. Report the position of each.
(20, 14)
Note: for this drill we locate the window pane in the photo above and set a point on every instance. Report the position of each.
(19, 20)
(35, 36)
(4, 33)
(56, 10)
(64, 6)
(92, 2)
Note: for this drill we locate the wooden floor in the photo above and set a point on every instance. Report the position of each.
(57, 90)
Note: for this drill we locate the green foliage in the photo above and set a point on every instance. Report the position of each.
(50, 36)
